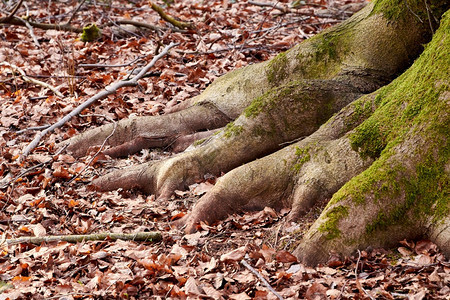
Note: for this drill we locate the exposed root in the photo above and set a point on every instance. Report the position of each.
(132, 135)
(281, 115)
(295, 177)
(383, 158)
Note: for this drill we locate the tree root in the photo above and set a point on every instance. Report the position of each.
(283, 114)
(297, 176)
(383, 158)
(134, 134)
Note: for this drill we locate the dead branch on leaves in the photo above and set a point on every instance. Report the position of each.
(139, 236)
(111, 89)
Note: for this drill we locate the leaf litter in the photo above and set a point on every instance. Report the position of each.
(36, 198)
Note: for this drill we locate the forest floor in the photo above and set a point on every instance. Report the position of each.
(46, 193)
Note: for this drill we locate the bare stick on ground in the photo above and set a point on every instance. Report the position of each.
(32, 80)
(108, 91)
(168, 18)
(139, 236)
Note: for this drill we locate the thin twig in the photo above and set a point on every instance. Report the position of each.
(429, 16)
(110, 66)
(30, 28)
(33, 128)
(15, 9)
(28, 79)
(168, 18)
(111, 89)
(263, 4)
(411, 11)
(139, 236)
(287, 10)
(123, 29)
(55, 76)
(358, 284)
(75, 12)
(263, 280)
(99, 150)
(67, 27)
(249, 48)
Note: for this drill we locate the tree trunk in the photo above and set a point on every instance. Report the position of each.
(383, 158)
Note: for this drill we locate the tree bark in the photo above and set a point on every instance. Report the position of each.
(383, 158)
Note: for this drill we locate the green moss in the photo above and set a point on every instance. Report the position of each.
(361, 110)
(426, 194)
(90, 33)
(303, 156)
(402, 104)
(231, 130)
(256, 106)
(321, 57)
(199, 142)
(410, 110)
(327, 47)
(269, 100)
(368, 139)
(396, 9)
(330, 226)
(276, 68)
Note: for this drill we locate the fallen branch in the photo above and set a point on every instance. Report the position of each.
(15, 9)
(280, 8)
(111, 89)
(134, 23)
(31, 80)
(21, 22)
(139, 236)
(168, 18)
(67, 27)
(109, 66)
(263, 280)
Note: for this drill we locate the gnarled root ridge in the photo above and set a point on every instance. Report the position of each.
(131, 135)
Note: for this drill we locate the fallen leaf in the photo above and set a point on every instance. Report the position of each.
(316, 292)
(39, 230)
(285, 257)
(235, 255)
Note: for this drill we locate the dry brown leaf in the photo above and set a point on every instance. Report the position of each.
(285, 257)
(191, 287)
(240, 296)
(316, 292)
(235, 255)
(39, 230)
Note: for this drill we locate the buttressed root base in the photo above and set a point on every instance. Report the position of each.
(381, 154)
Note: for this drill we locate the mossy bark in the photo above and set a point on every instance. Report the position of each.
(364, 52)
(382, 158)
(405, 193)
